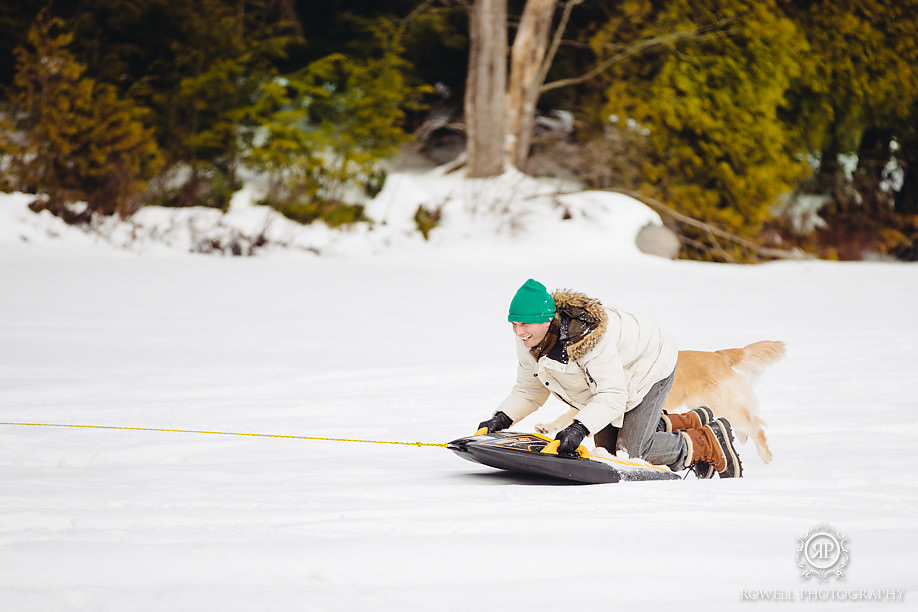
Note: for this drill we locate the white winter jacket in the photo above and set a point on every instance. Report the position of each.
(608, 372)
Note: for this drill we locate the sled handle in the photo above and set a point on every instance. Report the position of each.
(552, 449)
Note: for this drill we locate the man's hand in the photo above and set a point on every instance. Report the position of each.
(571, 437)
(496, 423)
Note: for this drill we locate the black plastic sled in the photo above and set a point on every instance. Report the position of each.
(522, 453)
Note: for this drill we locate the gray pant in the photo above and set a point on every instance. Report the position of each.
(638, 435)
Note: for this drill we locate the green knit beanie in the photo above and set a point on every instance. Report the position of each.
(532, 304)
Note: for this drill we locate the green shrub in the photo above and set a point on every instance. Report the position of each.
(426, 219)
(307, 210)
(76, 139)
(321, 135)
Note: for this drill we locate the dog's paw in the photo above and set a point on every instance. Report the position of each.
(543, 429)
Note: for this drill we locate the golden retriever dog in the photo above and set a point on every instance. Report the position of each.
(722, 381)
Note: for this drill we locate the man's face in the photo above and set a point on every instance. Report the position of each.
(530, 333)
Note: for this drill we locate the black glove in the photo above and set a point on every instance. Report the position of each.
(496, 423)
(571, 437)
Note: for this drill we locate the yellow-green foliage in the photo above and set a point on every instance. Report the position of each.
(324, 131)
(77, 140)
(426, 219)
(709, 106)
(221, 64)
(863, 72)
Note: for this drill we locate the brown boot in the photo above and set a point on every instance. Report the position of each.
(713, 445)
(693, 419)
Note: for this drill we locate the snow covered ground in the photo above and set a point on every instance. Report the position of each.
(384, 336)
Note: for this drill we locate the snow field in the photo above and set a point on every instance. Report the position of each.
(409, 343)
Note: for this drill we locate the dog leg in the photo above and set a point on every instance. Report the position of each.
(761, 444)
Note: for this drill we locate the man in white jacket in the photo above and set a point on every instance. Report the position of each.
(615, 370)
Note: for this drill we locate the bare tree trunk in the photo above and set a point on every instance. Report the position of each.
(527, 76)
(485, 89)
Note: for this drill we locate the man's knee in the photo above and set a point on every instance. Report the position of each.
(606, 438)
(636, 448)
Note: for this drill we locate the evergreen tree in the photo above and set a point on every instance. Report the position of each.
(323, 131)
(77, 140)
(222, 53)
(709, 109)
(194, 64)
(859, 102)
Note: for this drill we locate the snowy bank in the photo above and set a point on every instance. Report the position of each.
(475, 215)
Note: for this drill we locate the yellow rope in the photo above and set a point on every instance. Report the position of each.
(223, 433)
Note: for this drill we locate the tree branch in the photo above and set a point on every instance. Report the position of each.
(712, 232)
(637, 48)
(418, 10)
(556, 40)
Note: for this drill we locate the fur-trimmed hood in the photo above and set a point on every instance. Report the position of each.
(588, 320)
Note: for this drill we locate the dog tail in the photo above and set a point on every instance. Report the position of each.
(755, 357)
